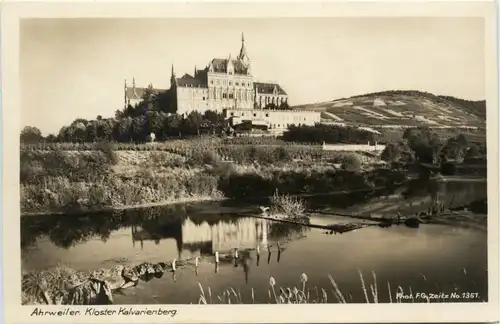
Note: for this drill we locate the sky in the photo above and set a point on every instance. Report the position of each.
(76, 68)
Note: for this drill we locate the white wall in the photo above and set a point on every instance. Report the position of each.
(353, 147)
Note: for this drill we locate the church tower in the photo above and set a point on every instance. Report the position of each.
(243, 56)
(172, 78)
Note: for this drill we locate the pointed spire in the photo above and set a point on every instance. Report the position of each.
(243, 56)
(133, 82)
(125, 92)
(172, 77)
(195, 71)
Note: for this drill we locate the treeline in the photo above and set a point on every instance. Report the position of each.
(331, 134)
(423, 145)
(128, 126)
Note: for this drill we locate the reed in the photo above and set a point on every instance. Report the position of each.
(307, 294)
(287, 206)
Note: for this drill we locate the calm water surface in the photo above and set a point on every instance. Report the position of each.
(432, 258)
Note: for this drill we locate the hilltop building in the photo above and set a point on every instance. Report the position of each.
(225, 84)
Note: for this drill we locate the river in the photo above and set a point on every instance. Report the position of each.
(431, 259)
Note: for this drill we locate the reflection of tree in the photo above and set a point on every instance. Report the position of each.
(212, 219)
(68, 230)
(350, 199)
(284, 231)
(455, 192)
(421, 187)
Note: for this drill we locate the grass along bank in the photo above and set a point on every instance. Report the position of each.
(305, 293)
(65, 286)
(73, 181)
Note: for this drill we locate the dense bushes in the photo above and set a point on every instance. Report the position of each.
(60, 194)
(76, 166)
(424, 145)
(327, 133)
(239, 153)
(297, 182)
(57, 180)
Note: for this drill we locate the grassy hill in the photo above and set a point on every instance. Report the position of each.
(400, 109)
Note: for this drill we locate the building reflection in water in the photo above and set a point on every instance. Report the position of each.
(204, 238)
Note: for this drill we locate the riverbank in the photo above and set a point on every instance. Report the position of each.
(87, 181)
(65, 286)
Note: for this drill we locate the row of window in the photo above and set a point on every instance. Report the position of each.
(237, 83)
(243, 114)
(271, 99)
(285, 125)
(295, 118)
(226, 96)
(237, 95)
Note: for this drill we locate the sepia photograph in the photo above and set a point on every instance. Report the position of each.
(253, 160)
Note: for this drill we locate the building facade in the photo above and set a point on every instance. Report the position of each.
(225, 83)
(273, 119)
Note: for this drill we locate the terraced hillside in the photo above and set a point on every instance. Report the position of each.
(401, 109)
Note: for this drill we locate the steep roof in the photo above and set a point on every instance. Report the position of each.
(138, 92)
(268, 88)
(220, 66)
(243, 51)
(188, 80)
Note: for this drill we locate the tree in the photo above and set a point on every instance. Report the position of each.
(137, 129)
(454, 149)
(51, 138)
(119, 114)
(92, 131)
(125, 129)
(31, 134)
(191, 124)
(155, 121)
(105, 128)
(213, 118)
(351, 163)
(172, 125)
(78, 132)
(391, 153)
(327, 133)
(424, 143)
(472, 151)
(284, 106)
